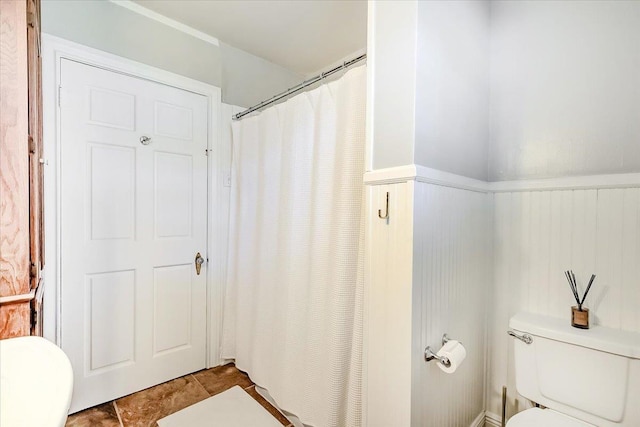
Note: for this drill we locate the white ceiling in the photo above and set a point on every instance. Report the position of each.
(304, 36)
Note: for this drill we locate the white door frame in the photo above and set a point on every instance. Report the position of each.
(54, 50)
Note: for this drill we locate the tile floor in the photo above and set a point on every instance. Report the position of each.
(144, 408)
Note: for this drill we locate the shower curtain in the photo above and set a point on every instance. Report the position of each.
(293, 304)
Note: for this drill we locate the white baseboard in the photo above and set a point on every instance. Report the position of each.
(491, 419)
(479, 421)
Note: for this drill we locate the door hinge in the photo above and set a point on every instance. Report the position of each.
(32, 145)
(206, 152)
(34, 318)
(33, 270)
(31, 19)
(59, 95)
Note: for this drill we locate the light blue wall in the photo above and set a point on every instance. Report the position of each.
(452, 87)
(248, 79)
(106, 26)
(245, 79)
(430, 67)
(392, 63)
(565, 89)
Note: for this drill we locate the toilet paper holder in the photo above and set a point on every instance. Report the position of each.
(429, 354)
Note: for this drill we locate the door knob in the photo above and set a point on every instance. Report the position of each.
(199, 262)
(145, 140)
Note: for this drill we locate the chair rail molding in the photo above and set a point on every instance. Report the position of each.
(423, 174)
(433, 176)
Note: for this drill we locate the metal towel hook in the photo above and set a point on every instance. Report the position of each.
(386, 215)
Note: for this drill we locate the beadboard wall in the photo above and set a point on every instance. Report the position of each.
(392, 355)
(452, 260)
(427, 272)
(538, 235)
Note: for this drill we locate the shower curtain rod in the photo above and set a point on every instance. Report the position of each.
(299, 87)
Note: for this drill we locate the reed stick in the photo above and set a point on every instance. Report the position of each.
(593, 276)
(574, 291)
(573, 284)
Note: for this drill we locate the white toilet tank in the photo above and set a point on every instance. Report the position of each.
(592, 375)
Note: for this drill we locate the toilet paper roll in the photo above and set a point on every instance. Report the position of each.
(455, 352)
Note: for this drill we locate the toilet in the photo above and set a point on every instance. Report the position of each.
(582, 378)
(36, 383)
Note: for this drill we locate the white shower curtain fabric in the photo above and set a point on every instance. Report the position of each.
(294, 294)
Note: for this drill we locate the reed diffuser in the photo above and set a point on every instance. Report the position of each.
(579, 315)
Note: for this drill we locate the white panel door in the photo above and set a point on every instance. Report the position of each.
(133, 217)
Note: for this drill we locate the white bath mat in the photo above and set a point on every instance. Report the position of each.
(231, 408)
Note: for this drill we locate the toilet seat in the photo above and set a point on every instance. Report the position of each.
(536, 417)
(36, 383)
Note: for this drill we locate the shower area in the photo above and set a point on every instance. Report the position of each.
(293, 306)
(347, 258)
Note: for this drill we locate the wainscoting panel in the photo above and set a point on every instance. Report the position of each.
(452, 261)
(540, 234)
(392, 355)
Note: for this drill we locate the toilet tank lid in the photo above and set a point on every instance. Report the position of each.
(615, 341)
